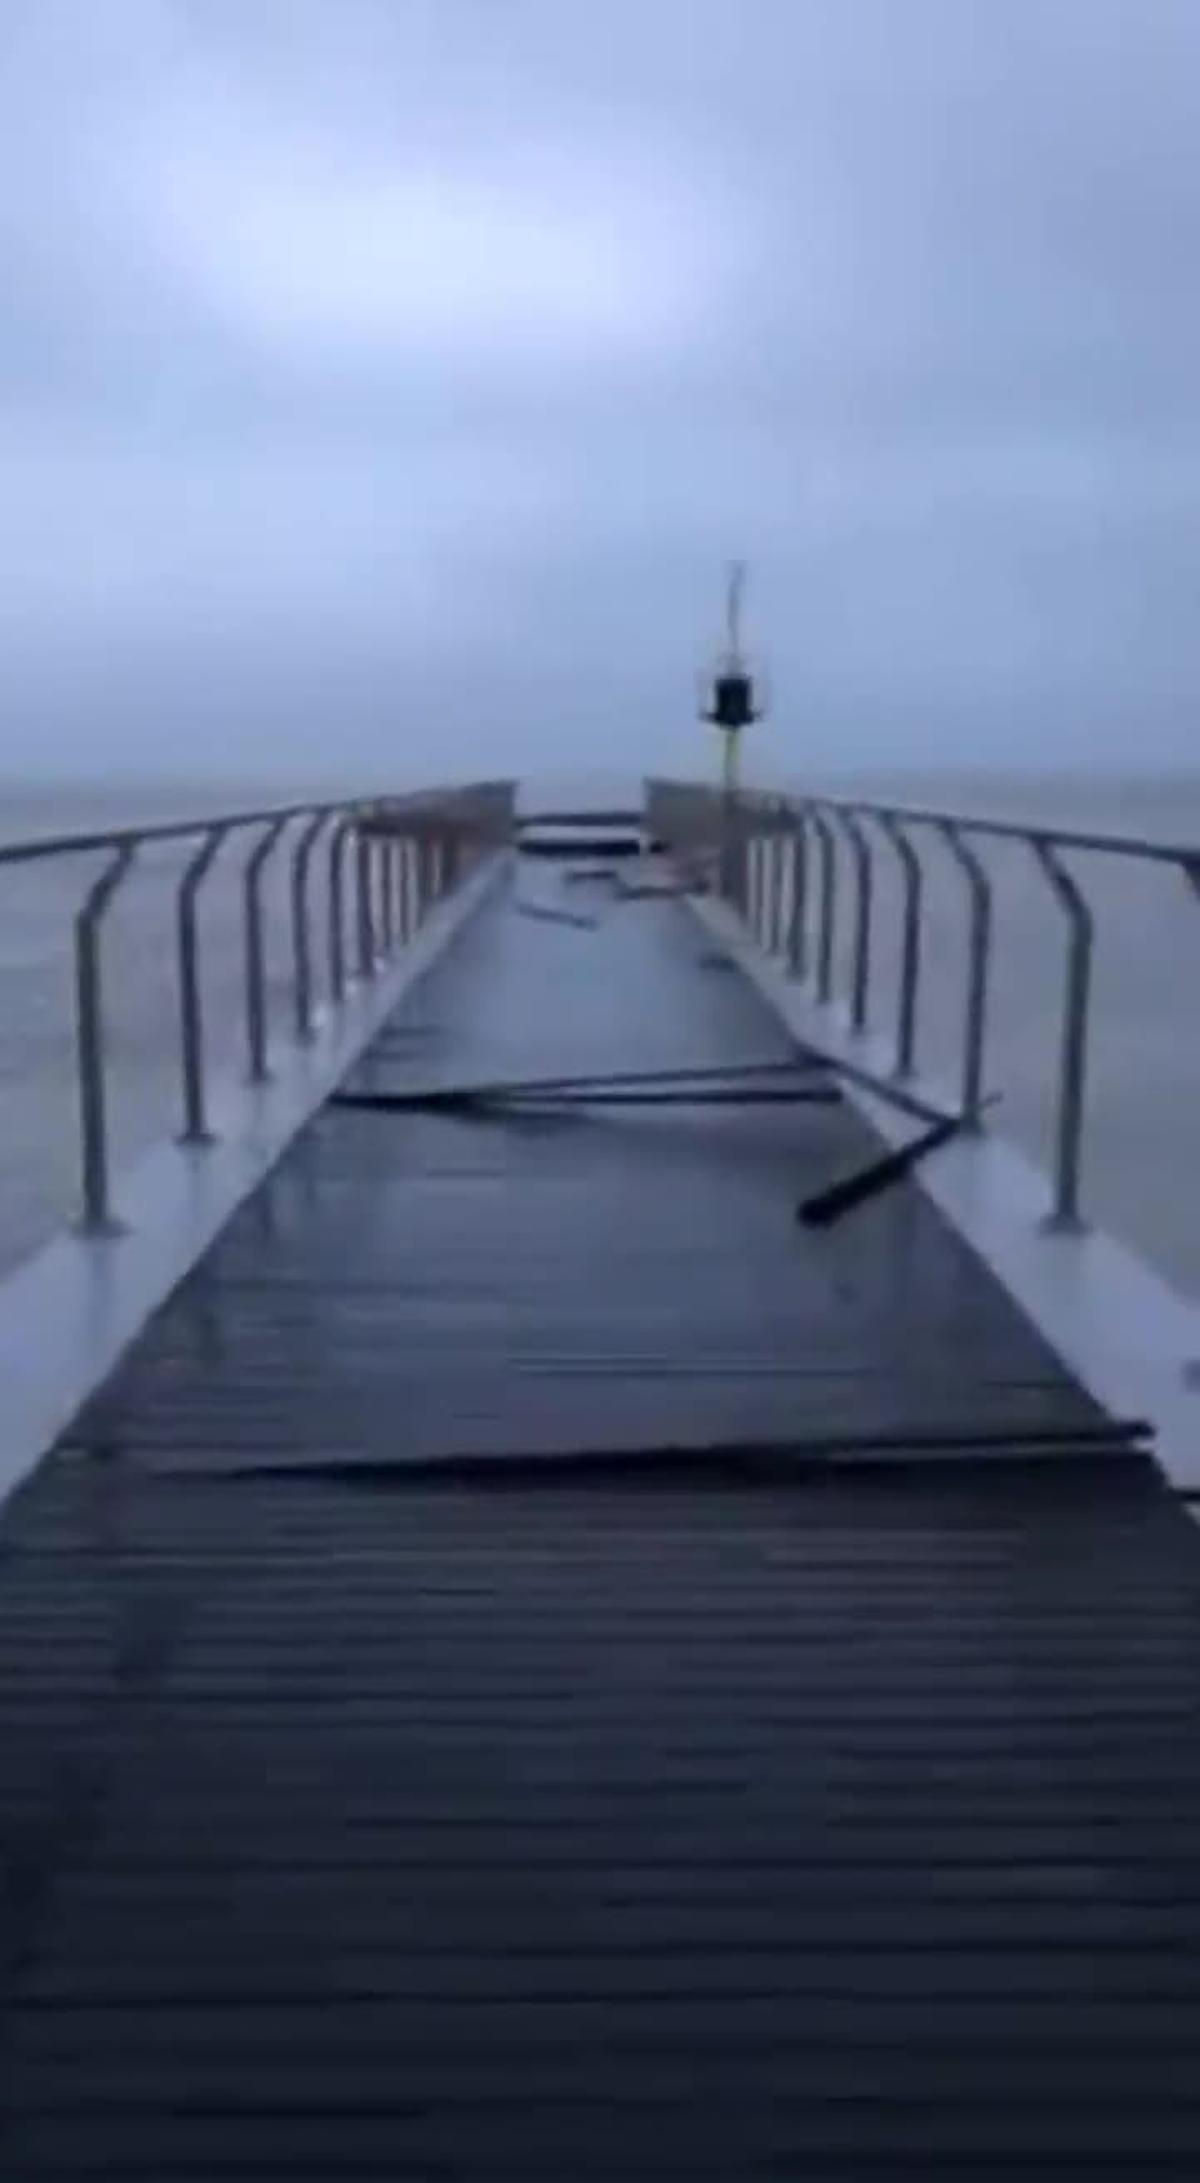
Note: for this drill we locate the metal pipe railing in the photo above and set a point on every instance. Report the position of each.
(441, 834)
(387, 896)
(404, 923)
(695, 815)
(777, 849)
(1180, 854)
(337, 921)
(828, 883)
(256, 978)
(191, 1007)
(979, 954)
(301, 938)
(910, 944)
(89, 1021)
(860, 850)
(797, 941)
(1073, 1066)
(366, 919)
(751, 882)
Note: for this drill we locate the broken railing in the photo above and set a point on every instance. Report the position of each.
(389, 861)
(796, 867)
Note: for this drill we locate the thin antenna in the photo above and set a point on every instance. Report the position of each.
(733, 610)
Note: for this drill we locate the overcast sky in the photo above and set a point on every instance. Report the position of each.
(383, 383)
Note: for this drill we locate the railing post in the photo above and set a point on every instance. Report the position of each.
(387, 854)
(301, 941)
(402, 904)
(97, 1217)
(864, 873)
(778, 860)
(757, 884)
(191, 1016)
(910, 945)
(436, 854)
(337, 919)
(828, 896)
(426, 869)
(1073, 1065)
(741, 865)
(797, 944)
(256, 984)
(404, 888)
(732, 853)
(748, 877)
(979, 947)
(366, 920)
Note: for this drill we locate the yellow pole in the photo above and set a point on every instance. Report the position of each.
(731, 867)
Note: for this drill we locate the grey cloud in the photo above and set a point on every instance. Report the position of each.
(431, 354)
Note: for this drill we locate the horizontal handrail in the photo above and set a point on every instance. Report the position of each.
(741, 831)
(422, 844)
(1058, 837)
(57, 845)
(38, 846)
(761, 802)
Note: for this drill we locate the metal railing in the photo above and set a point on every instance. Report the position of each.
(760, 850)
(408, 853)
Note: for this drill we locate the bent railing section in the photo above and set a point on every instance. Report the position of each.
(407, 853)
(779, 860)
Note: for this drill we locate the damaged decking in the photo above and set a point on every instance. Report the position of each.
(368, 1813)
(433, 1285)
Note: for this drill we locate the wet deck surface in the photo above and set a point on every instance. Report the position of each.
(704, 1818)
(430, 1285)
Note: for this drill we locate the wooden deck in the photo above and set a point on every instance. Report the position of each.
(434, 1286)
(426, 1751)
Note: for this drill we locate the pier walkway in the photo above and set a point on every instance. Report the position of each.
(539, 1666)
